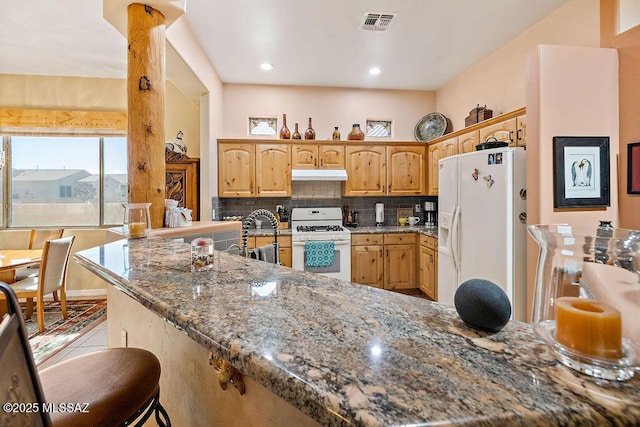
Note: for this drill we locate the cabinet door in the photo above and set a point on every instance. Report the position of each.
(367, 171)
(400, 267)
(273, 170)
(521, 131)
(331, 156)
(367, 266)
(406, 174)
(304, 156)
(450, 146)
(467, 142)
(435, 152)
(236, 170)
(182, 184)
(503, 131)
(427, 270)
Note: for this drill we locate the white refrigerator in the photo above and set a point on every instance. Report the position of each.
(482, 223)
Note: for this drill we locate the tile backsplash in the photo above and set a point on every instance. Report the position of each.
(304, 197)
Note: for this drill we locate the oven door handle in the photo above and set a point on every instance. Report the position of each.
(335, 242)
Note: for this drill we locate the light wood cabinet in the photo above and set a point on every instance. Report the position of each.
(236, 170)
(273, 170)
(502, 131)
(435, 152)
(284, 247)
(521, 131)
(311, 156)
(367, 260)
(366, 168)
(400, 261)
(406, 170)
(428, 267)
(254, 170)
(467, 142)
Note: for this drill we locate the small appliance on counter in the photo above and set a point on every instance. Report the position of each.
(430, 214)
(379, 214)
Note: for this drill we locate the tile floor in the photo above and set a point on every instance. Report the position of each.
(95, 339)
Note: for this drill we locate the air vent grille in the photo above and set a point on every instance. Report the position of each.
(377, 21)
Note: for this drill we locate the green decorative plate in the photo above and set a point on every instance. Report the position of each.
(431, 126)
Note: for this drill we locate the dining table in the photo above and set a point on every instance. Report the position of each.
(13, 259)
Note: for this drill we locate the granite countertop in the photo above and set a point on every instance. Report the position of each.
(349, 354)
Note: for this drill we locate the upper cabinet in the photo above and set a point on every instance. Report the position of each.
(437, 151)
(312, 156)
(254, 170)
(406, 170)
(467, 142)
(394, 170)
(521, 131)
(366, 168)
(504, 131)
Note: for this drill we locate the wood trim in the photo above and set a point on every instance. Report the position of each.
(63, 119)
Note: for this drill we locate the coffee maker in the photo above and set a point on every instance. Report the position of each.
(430, 214)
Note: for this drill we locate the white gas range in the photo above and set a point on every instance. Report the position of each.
(320, 243)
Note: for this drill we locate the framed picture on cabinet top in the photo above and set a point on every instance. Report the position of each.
(633, 168)
(581, 171)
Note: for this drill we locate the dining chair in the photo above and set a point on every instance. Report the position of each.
(112, 387)
(36, 241)
(51, 277)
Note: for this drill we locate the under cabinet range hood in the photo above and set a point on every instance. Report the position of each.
(318, 175)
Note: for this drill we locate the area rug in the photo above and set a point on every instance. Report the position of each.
(59, 333)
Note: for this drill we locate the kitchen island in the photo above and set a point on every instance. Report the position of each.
(319, 350)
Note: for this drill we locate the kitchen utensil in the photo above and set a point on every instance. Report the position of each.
(413, 220)
(379, 214)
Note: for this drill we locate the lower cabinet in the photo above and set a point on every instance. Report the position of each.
(387, 261)
(429, 267)
(367, 260)
(284, 245)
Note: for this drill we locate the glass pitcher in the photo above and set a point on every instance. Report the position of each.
(587, 297)
(137, 219)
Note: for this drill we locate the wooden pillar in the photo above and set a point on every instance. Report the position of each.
(145, 102)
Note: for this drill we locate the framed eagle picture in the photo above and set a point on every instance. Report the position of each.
(581, 171)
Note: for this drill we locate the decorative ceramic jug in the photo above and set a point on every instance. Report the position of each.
(581, 306)
(336, 134)
(284, 131)
(296, 133)
(356, 133)
(310, 133)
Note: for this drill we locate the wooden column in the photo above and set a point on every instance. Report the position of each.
(145, 93)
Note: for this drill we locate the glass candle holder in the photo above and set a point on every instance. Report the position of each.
(582, 308)
(137, 219)
(201, 254)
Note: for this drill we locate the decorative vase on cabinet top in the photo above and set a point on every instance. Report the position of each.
(356, 133)
(336, 134)
(296, 133)
(284, 132)
(310, 133)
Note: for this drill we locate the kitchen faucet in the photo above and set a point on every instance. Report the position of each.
(249, 220)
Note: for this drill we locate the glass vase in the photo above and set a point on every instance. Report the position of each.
(296, 133)
(284, 131)
(137, 220)
(587, 293)
(310, 133)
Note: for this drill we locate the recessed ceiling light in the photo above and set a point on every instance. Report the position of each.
(266, 66)
(374, 71)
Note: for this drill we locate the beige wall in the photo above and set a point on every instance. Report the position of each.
(328, 107)
(181, 114)
(499, 79)
(183, 40)
(562, 100)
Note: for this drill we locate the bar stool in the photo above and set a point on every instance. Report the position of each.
(112, 387)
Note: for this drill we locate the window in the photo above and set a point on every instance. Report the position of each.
(66, 181)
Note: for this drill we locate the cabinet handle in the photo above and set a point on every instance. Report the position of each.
(258, 188)
(321, 162)
(315, 162)
(519, 135)
(511, 135)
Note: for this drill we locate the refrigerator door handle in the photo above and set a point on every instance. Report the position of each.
(453, 236)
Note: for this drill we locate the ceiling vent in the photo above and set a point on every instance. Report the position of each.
(377, 21)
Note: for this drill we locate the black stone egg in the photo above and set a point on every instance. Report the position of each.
(482, 304)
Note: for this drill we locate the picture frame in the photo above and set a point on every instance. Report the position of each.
(581, 171)
(403, 213)
(266, 126)
(633, 168)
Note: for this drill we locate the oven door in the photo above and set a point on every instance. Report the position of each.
(340, 268)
